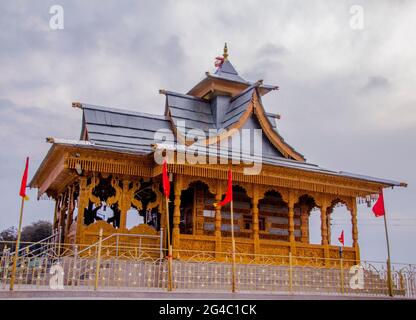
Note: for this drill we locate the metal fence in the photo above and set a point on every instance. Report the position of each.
(142, 268)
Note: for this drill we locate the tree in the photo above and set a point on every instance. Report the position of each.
(36, 231)
(8, 238)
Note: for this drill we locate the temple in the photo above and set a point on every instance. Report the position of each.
(110, 178)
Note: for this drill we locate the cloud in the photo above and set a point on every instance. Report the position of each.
(375, 83)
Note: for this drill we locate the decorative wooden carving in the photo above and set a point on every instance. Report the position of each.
(143, 229)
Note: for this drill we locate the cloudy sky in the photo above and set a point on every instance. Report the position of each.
(346, 95)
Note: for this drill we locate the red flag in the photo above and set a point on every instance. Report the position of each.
(219, 61)
(378, 207)
(22, 192)
(165, 179)
(229, 194)
(341, 237)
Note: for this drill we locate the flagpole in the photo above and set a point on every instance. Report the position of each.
(169, 246)
(233, 245)
(390, 284)
(16, 251)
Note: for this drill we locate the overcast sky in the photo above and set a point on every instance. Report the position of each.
(347, 95)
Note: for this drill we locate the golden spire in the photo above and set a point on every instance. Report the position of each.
(225, 54)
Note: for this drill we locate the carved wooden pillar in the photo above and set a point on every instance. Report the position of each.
(324, 223)
(63, 215)
(255, 204)
(163, 222)
(324, 229)
(291, 206)
(176, 212)
(71, 207)
(125, 202)
(355, 228)
(304, 216)
(82, 204)
(218, 197)
(328, 224)
(55, 214)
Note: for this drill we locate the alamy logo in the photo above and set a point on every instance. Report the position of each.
(357, 17)
(56, 282)
(56, 22)
(357, 278)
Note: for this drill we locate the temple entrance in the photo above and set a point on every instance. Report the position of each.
(186, 225)
(197, 210)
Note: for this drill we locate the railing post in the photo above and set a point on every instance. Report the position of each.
(59, 241)
(117, 245)
(342, 275)
(6, 254)
(161, 243)
(290, 272)
(97, 267)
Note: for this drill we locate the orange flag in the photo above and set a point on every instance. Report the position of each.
(378, 207)
(22, 192)
(165, 180)
(229, 194)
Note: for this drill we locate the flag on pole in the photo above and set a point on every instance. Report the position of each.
(22, 192)
(341, 237)
(378, 207)
(165, 179)
(229, 194)
(219, 61)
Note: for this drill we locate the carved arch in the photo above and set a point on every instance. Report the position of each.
(341, 199)
(210, 183)
(284, 193)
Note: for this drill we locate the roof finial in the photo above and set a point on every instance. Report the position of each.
(225, 54)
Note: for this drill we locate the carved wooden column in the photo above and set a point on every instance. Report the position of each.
(176, 212)
(218, 197)
(291, 206)
(63, 215)
(304, 216)
(328, 224)
(324, 223)
(324, 228)
(163, 222)
(55, 214)
(71, 207)
(355, 229)
(82, 204)
(255, 204)
(125, 202)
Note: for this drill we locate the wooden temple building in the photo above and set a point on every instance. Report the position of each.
(110, 176)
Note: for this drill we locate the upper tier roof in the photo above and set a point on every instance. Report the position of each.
(225, 79)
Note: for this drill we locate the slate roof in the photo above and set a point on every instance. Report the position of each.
(196, 112)
(237, 106)
(122, 129)
(228, 72)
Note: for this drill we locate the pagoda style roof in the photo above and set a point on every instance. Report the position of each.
(220, 103)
